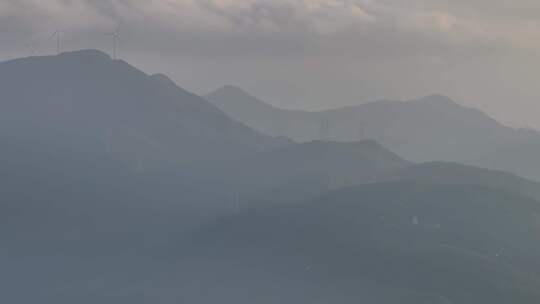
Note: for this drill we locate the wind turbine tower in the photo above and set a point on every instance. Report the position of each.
(115, 38)
(361, 131)
(324, 130)
(58, 35)
(31, 46)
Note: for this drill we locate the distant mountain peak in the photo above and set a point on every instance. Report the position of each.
(436, 99)
(230, 88)
(231, 91)
(232, 96)
(86, 54)
(87, 92)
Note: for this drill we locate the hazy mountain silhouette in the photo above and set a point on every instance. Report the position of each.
(521, 158)
(445, 173)
(86, 99)
(304, 170)
(433, 128)
(120, 187)
(382, 243)
(301, 126)
(98, 157)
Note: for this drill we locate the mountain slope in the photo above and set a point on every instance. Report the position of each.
(301, 126)
(300, 171)
(85, 98)
(308, 169)
(521, 157)
(445, 173)
(107, 171)
(433, 128)
(92, 148)
(382, 243)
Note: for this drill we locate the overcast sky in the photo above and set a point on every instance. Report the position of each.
(310, 53)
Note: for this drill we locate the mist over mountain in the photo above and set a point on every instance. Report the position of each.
(445, 173)
(121, 184)
(98, 156)
(432, 128)
(306, 170)
(384, 243)
(121, 187)
(85, 97)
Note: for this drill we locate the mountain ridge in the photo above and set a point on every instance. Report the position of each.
(95, 96)
(122, 187)
(431, 128)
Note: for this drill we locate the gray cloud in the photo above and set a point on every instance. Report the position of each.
(310, 53)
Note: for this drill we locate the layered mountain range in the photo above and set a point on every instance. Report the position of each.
(432, 128)
(121, 187)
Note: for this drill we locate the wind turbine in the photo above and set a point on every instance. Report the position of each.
(324, 130)
(31, 46)
(361, 131)
(58, 35)
(115, 37)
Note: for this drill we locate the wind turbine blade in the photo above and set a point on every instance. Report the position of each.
(53, 35)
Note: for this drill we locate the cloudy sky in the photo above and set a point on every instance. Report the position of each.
(310, 54)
